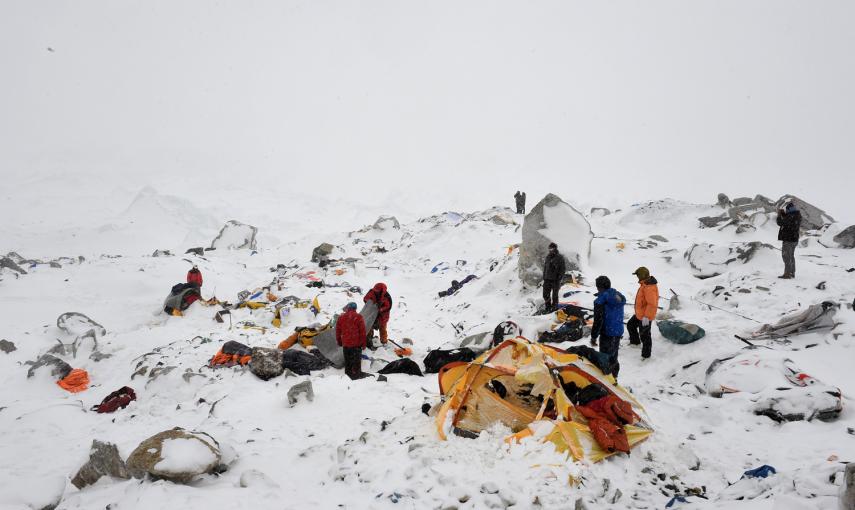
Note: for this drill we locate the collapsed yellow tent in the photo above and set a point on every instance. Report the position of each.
(520, 384)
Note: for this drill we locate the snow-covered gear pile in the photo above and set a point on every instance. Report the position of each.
(538, 391)
(818, 317)
(778, 388)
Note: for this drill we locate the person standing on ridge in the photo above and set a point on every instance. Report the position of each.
(790, 221)
(646, 305)
(350, 336)
(518, 201)
(608, 320)
(380, 296)
(554, 268)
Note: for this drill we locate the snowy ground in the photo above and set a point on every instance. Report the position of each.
(366, 444)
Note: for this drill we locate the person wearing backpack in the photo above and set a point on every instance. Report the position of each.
(608, 320)
(554, 268)
(350, 336)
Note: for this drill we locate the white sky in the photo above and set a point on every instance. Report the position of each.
(604, 102)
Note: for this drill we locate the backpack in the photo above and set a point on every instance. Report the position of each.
(506, 328)
(570, 331)
(118, 399)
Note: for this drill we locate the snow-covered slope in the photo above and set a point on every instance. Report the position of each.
(367, 444)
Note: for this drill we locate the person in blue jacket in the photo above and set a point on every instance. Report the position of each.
(608, 320)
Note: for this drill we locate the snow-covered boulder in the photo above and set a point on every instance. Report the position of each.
(553, 220)
(846, 238)
(386, 223)
(779, 389)
(235, 236)
(177, 455)
(812, 216)
(266, 363)
(322, 251)
(708, 260)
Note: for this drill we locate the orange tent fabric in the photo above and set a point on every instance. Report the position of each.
(76, 381)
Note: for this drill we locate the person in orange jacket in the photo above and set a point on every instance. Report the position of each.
(646, 305)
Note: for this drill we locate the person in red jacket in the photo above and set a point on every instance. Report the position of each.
(383, 300)
(194, 276)
(350, 335)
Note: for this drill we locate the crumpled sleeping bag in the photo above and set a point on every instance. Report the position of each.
(680, 332)
(302, 363)
(401, 366)
(438, 358)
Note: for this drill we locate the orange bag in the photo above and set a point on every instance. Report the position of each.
(76, 381)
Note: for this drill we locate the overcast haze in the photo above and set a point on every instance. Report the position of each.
(604, 102)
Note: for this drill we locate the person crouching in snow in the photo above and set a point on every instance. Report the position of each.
(380, 296)
(646, 304)
(350, 336)
(608, 320)
(195, 276)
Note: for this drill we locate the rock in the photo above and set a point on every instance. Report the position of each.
(386, 223)
(674, 303)
(713, 221)
(741, 201)
(8, 263)
(847, 494)
(382, 378)
(499, 219)
(253, 478)
(321, 252)
(162, 253)
(176, 455)
(303, 388)
(600, 211)
(724, 201)
(266, 363)
(77, 324)
(195, 251)
(708, 260)
(846, 238)
(59, 368)
(553, 220)
(235, 236)
(812, 216)
(7, 346)
(659, 238)
(489, 488)
(104, 460)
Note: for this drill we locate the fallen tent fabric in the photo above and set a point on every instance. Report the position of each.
(438, 358)
(401, 366)
(303, 363)
(76, 381)
(116, 400)
(680, 332)
(522, 385)
(816, 318)
(779, 389)
(232, 353)
(326, 343)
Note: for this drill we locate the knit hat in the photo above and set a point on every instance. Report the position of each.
(642, 273)
(350, 306)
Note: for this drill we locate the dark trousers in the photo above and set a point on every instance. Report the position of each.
(610, 345)
(550, 294)
(636, 330)
(353, 362)
(788, 252)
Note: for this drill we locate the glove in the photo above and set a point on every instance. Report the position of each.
(645, 322)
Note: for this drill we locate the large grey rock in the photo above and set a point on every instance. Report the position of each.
(266, 363)
(553, 220)
(846, 238)
(58, 368)
(78, 324)
(7, 346)
(104, 460)
(8, 263)
(713, 221)
(322, 251)
(303, 388)
(235, 236)
(847, 495)
(177, 455)
(707, 260)
(812, 217)
(724, 201)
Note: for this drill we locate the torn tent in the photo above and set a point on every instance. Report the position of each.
(816, 318)
(525, 386)
(232, 353)
(304, 335)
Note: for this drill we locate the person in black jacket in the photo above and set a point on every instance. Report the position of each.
(553, 274)
(789, 220)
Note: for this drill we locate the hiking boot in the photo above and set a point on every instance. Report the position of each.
(645, 358)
